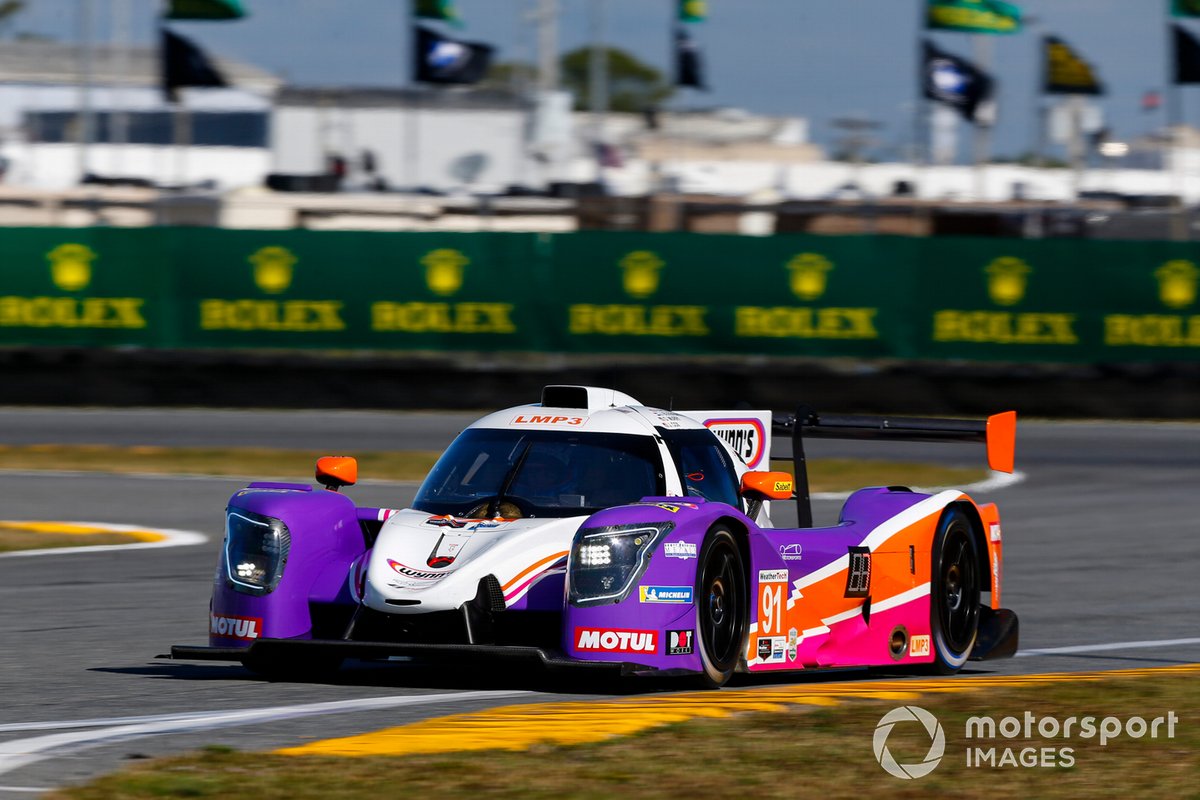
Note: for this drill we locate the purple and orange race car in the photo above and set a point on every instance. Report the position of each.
(591, 531)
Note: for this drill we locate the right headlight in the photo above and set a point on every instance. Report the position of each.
(606, 562)
(256, 550)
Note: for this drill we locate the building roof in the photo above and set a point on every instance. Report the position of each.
(57, 63)
(458, 98)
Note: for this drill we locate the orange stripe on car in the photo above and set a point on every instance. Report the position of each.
(531, 568)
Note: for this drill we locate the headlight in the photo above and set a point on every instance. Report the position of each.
(256, 550)
(606, 562)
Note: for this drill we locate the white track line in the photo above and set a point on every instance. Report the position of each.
(18, 753)
(171, 538)
(997, 480)
(1098, 648)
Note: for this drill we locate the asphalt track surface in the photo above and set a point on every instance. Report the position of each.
(1102, 542)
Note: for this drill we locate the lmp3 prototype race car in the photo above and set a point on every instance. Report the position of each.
(591, 531)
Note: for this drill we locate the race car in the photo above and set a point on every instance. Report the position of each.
(590, 531)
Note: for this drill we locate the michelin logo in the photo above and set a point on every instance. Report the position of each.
(665, 594)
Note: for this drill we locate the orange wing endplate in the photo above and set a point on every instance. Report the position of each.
(1002, 441)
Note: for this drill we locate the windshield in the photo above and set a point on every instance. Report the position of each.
(705, 467)
(540, 473)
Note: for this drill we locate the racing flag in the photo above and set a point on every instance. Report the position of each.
(955, 82)
(205, 9)
(185, 64)
(1187, 56)
(1185, 8)
(689, 67)
(1064, 72)
(441, 59)
(693, 10)
(973, 16)
(443, 10)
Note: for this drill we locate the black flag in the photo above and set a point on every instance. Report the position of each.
(441, 59)
(689, 69)
(1065, 72)
(184, 64)
(1187, 56)
(955, 81)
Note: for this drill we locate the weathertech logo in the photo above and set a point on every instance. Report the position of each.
(616, 641)
(234, 627)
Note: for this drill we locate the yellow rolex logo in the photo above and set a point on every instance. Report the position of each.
(1007, 279)
(642, 270)
(809, 277)
(1177, 283)
(71, 266)
(273, 269)
(444, 270)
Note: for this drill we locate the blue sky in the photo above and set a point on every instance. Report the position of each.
(818, 59)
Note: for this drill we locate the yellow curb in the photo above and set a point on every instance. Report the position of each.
(520, 727)
(79, 530)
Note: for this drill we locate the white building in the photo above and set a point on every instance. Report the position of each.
(44, 109)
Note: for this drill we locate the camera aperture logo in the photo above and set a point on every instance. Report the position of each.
(937, 745)
(1013, 730)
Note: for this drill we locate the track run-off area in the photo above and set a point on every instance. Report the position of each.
(1101, 545)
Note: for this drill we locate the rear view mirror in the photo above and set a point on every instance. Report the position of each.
(767, 485)
(334, 472)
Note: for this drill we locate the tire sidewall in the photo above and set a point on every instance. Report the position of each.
(716, 675)
(948, 659)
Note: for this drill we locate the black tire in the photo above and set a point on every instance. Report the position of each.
(956, 587)
(721, 607)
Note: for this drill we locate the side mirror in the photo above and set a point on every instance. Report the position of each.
(334, 472)
(767, 485)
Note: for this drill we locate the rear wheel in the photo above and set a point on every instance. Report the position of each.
(957, 582)
(721, 607)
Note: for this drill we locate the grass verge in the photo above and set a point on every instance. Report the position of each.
(801, 752)
(826, 475)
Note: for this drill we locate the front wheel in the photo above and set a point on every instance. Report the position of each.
(721, 607)
(954, 616)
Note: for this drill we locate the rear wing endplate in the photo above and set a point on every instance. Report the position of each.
(998, 432)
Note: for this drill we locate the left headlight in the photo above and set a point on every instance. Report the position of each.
(256, 550)
(606, 562)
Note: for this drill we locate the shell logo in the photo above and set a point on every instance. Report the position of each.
(642, 270)
(810, 275)
(1177, 283)
(273, 269)
(71, 266)
(1008, 278)
(444, 270)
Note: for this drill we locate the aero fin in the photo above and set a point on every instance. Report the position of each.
(1002, 441)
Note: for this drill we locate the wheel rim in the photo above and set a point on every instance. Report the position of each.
(720, 615)
(959, 606)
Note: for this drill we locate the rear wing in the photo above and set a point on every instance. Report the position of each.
(998, 432)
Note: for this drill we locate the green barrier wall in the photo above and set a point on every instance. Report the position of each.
(597, 292)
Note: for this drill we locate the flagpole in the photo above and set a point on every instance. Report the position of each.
(85, 125)
(1174, 120)
(920, 126)
(983, 48)
(412, 152)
